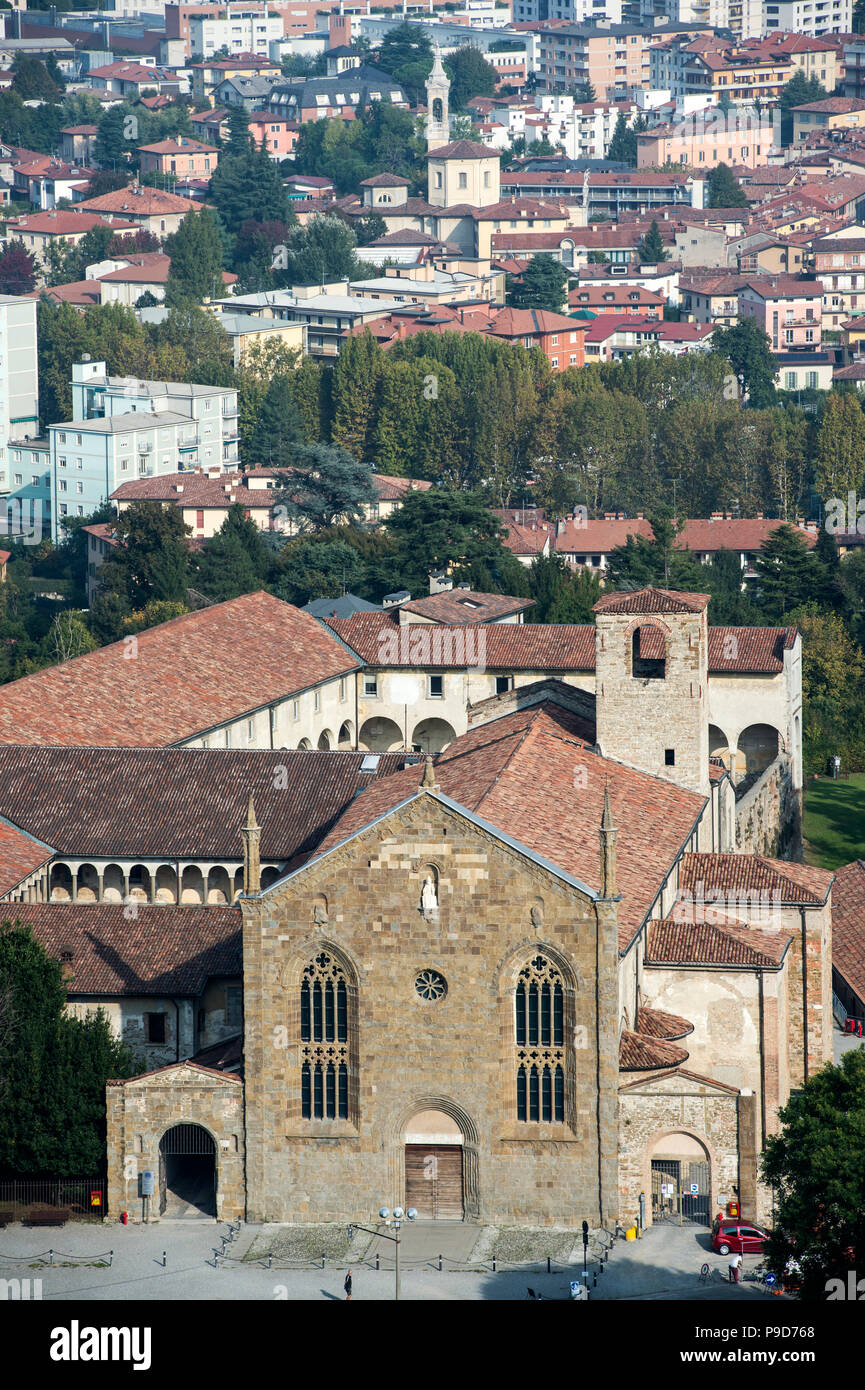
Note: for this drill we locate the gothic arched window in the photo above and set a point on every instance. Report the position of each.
(539, 1037)
(324, 1037)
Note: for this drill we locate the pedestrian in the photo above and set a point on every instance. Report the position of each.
(347, 1287)
(735, 1266)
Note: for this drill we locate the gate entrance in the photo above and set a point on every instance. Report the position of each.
(681, 1180)
(187, 1172)
(434, 1167)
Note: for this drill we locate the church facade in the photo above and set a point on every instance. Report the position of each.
(516, 984)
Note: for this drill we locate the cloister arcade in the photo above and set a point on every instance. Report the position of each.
(202, 884)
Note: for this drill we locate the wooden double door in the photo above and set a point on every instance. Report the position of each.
(434, 1181)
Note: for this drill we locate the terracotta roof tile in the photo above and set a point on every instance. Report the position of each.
(652, 600)
(519, 774)
(176, 802)
(848, 925)
(638, 1053)
(655, 1023)
(754, 873)
(20, 855)
(162, 950)
(466, 606)
(187, 676)
(702, 943)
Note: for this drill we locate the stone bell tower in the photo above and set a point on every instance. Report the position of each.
(438, 131)
(651, 674)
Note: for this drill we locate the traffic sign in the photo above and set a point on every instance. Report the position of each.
(695, 1189)
(771, 1280)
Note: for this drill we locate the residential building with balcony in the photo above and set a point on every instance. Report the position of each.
(21, 481)
(840, 263)
(788, 309)
(123, 429)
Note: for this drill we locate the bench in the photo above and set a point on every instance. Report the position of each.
(7, 1216)
(47, 1216)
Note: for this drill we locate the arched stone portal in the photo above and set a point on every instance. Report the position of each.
(680, 1163)
(433, 735)
(187, 1172)
(434, 1166)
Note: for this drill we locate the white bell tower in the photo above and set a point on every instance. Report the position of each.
(438, 131)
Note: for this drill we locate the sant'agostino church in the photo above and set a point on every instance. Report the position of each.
(534, 978)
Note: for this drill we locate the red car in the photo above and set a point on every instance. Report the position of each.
(739, 1236)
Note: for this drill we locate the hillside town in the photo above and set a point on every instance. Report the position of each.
(432, 648)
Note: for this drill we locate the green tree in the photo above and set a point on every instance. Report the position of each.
(321, 251)
(561, 594)
(317, 567)
(816, 1168)
(238, 136)
(32, 81)
(356, 376)
(326, 485)
(785, 573)
(406, 53)
(53, 1067)
(748, 350)
(723, 190)
(113, 146)
(651, 250)
(839, 462)
(451, 530)
(541, 286)
(249, 187)
(623, 146)
(658, 561)
(279, 428)
(471, 76)
(235, 560)
(196, 261)
(150, 560)
(799, 90)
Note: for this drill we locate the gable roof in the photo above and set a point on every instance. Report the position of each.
(799, 884)
(20, 855)
(170, 951)
(651, 600)
(184, 677)
(703, 943)
(466, 606)
(517, 774)
(172, 802)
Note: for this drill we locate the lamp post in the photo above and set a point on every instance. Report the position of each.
(394, 1221)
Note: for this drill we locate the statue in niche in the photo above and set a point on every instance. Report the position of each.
(319, 914)
(428, 898)
(537, 917)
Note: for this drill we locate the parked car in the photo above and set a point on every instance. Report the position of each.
(740, 1236)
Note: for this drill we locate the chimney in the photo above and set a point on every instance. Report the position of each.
(251, 836)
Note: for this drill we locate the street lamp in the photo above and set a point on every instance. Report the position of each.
(394, 1221)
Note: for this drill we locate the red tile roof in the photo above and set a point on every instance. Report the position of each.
(162, 950)
(518, 773)
(66, 223)
(20, 856)
(655, 1023)
(848, 925)
(651, 600)
(639, 1053)
(755, 873)
(462, 149)
(177, 680)
(379, 641)
(728, 943)
(466, 606)
(177, 803)
(140, 201)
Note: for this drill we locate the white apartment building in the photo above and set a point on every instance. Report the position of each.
(21, 498)
(241, 31)
(813, 18)
(123, 428)
(584, 129)
(574, 11)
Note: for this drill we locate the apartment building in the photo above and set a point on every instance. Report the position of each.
(237, 28)
(809, 17)
(123, 429)
(788, 309)
(839, 261)
(327, 312)
(704, 142)
(831, 113)
(22, 483)
(614, 59)
(182, 156)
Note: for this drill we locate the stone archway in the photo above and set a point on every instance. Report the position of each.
(440, 1124)
(433, 735)
(758, 747)
(679, 1162)
(188, 1172)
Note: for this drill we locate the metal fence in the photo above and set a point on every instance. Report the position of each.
(82, 1198)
